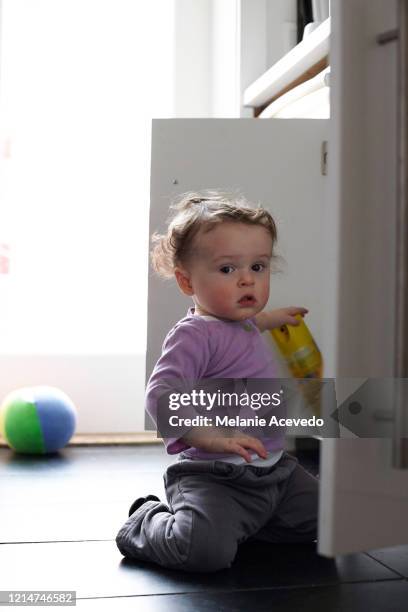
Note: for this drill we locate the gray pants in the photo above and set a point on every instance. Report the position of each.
(214, 506)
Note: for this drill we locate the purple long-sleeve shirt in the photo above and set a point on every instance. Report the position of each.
(208, 348)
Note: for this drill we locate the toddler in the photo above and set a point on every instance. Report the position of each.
(225, 488)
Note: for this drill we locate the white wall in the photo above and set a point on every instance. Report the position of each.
(193, 61)
(107, 390)
(253, 45)
(266, 35)
(206, 58)
(281, 29)
(225, 53)
(221, 46)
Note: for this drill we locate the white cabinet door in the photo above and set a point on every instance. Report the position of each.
(363, 500)
(275, 162)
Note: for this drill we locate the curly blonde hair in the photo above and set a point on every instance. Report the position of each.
(202, 211)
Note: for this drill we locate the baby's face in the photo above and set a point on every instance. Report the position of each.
(230, 270)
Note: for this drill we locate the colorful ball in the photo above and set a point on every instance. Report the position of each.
(37, 420)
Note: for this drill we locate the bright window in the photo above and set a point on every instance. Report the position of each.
(80, 81)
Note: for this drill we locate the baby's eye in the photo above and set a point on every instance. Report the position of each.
(227, 269)
(258, 267)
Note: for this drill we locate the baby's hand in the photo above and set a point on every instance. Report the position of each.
(279, 317)
(212, 440)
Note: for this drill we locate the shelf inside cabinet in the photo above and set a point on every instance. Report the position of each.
(303, 62)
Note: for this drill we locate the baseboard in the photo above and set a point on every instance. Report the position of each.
(114, 439)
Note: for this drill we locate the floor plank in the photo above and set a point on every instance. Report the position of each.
(81, 493)
(375, 597)
(395, 557)
(97, 569)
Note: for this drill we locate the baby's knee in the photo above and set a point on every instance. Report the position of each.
(210, 554)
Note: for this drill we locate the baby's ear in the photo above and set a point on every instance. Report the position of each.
(184, 281)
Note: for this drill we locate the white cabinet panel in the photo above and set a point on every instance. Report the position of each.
(274, 162)
(363, 501)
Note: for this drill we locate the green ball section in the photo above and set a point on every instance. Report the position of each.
(22, 428)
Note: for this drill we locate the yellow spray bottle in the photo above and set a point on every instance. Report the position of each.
(302, 356)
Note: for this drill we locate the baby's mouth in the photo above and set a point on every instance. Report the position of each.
(247, 300)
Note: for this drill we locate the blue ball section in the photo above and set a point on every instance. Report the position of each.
(57, 417)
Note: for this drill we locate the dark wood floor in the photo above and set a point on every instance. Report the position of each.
(59, 517)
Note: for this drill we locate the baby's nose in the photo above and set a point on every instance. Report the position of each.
(246, 278)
